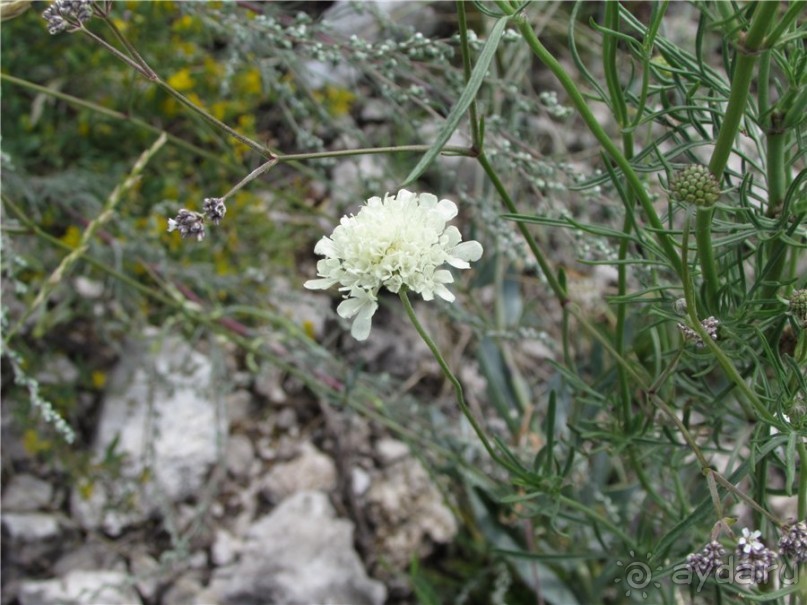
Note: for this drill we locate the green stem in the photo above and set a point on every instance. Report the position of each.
(447, 150)
(580, 103)
(106, 214)
(764, 14)
(619, 108)
(462, 23)
(552, 280)
(748, 45)
(117, 115)
(142, 67)
(722, 359)
(450, 376)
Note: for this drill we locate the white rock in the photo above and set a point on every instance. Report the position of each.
(31, 527)
(88, 288)
(80, 587)
(299, 553)
(30, 536)
(161, 414)
(188, 590)
(311, 470)
(146, 571)
(359, 480)
(408, 513)
(225, 548)
(27, 493)
(391, 450)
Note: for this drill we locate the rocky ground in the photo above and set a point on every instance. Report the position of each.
(242, 497)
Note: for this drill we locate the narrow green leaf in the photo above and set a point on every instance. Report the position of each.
(466, 98)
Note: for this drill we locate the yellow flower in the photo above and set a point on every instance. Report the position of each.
(181, 80)
(72, 237)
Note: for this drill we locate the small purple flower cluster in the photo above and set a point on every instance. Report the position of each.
(754, 559)
(67, 15)
(192, 224)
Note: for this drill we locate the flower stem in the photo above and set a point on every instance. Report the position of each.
(451, 378)
(552, 280)
(748, 45)
(619, 108)
(580, 103)
(462, 24)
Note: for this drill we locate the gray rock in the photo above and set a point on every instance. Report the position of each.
(311, 470)
(27, 493)
(408, 513)
(80, 587)
(268, 383)
(59, 370)
(92, 553)
(239, 406)
(161, 416)
(240, 455)
(188, 590)
(147, 573)
(27, 537)
(298, 554)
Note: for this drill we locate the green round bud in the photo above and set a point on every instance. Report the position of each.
(695, 185)
(798, 307)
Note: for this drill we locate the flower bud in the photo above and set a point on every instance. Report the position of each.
(695, 185)
(798, 307)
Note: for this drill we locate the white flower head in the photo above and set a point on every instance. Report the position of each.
(750, 543)
(401, 240)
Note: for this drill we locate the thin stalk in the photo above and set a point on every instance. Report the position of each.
(706, 256)
(106, 214)
(447, 150)
(619, 108)
(462, 24)
(748, 45)
(580, 103)
(117, 115)
(410, 312)
(552, 280)
(573, 504)
(142, 67)
(722, 359)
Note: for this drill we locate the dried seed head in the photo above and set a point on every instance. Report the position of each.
(710, 324)
(64, 15)
(695, 185)
(707, 560)
(189, 224)
(214, 209)
(793, 543)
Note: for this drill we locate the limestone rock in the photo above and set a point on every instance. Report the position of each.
(160, 416)
(80, 587)
(27, 493)
(298, 554)
(408, 512)
(311, 470)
